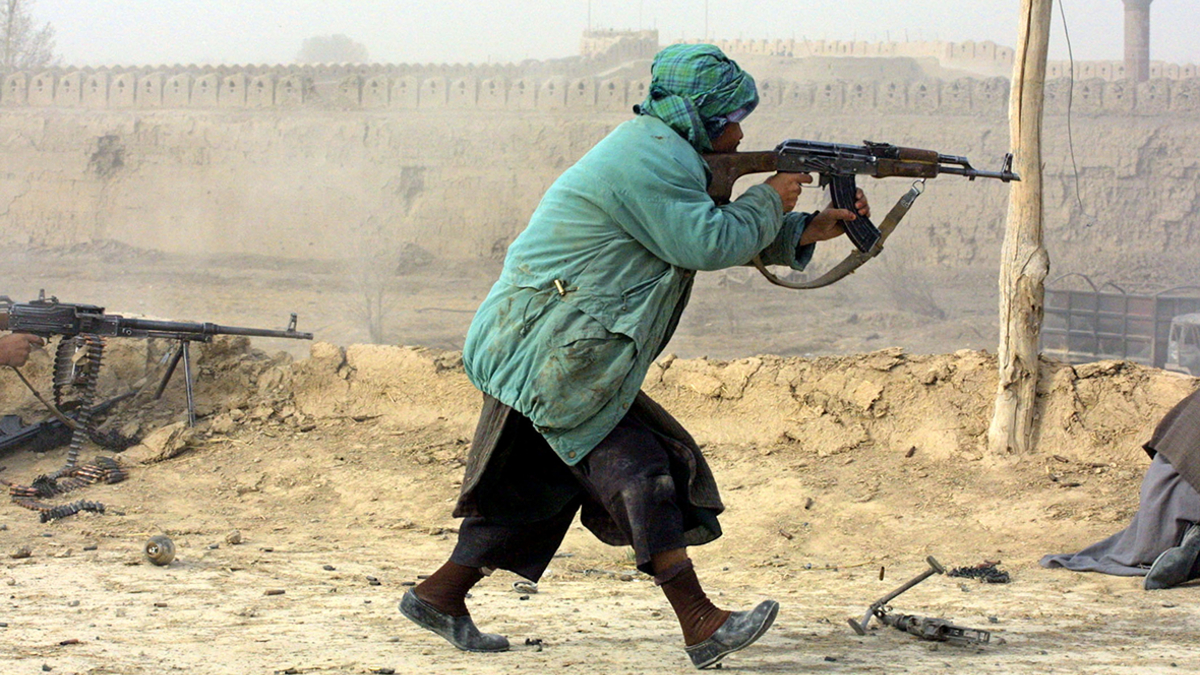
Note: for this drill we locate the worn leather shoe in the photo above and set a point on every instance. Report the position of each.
(1176, 565)
(459, 631)
(739, 631)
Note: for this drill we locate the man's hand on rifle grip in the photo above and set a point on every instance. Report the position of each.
(788, 185)
(828, 223)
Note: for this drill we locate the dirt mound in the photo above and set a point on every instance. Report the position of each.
(850, 433)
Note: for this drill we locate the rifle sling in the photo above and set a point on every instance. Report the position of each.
(856, 258)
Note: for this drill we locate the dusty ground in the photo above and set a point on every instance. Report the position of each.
(836, 459)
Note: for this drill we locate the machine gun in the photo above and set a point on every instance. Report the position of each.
(83, 327)
(838, 166)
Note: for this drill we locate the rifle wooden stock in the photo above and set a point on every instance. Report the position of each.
(727, 167)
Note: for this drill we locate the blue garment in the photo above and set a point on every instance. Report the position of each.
(591, 290)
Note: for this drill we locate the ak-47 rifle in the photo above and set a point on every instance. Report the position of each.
(838, 166)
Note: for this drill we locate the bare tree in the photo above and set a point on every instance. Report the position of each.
(1024, 261)
(24, 46)
(331, 49)
(380, 255)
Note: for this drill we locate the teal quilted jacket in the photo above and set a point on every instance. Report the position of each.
(593, 287)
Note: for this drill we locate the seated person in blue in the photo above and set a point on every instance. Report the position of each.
(590, 293)
(1162, 542)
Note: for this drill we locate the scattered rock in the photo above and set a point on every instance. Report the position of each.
(160, 445)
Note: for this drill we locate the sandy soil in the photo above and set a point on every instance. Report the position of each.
(338, 468)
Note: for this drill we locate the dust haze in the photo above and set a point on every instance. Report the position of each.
(148, 173)
(149, 32)
(387, 225)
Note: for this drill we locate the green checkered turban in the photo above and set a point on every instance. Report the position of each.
(697, 90)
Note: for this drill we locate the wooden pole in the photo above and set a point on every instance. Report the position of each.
(1024, 261)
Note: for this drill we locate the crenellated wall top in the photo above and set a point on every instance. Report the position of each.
(983, 56)
(393, 87)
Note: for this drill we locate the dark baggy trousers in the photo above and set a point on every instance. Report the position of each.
(630, 480)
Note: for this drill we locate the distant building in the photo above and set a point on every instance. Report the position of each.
(619, 45)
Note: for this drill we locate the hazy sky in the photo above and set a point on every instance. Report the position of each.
(153, 32)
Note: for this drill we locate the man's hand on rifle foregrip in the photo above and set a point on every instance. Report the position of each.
(788, 185)
(828, 223)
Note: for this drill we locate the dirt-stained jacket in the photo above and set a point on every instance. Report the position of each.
(592, 289)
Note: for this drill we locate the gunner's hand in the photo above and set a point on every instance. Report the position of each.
(15, 348)
(828, 223)
(788, 185)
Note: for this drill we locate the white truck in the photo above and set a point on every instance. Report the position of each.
(1183, 345)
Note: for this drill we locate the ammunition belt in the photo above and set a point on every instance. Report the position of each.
(100, 470)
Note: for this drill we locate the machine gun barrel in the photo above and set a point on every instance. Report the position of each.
(127, 327)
